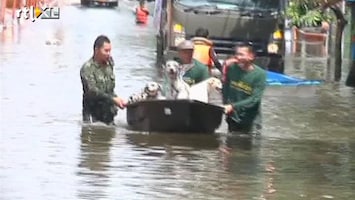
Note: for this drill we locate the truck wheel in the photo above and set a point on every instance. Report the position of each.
(113, 4)
(276, 63)
(84, 3)
(282, 66)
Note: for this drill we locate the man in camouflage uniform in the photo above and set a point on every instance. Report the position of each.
(98, 81)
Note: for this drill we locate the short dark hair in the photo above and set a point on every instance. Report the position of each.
(100, 40)
(246, 45)
(201, 32)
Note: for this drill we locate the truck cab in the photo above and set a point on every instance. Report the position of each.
(229, 22)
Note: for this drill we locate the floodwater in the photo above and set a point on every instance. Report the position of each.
(306, 150)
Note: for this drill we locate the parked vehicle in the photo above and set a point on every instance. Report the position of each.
(108, 3)
(229, 22)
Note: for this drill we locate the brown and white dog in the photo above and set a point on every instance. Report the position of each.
(151, 91)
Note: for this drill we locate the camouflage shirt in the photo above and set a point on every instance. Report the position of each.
(98, 83)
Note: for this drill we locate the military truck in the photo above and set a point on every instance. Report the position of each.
(230, 22)
(107, 3)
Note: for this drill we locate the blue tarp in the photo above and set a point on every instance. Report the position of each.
(284, 80)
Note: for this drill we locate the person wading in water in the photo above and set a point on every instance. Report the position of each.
(98, 81)
(142, 13)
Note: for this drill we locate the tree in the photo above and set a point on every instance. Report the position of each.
(306, 13)
(340, 25)
(311, 13)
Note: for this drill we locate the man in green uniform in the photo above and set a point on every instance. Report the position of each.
(194, 71)
(98, 81)
(243, 87)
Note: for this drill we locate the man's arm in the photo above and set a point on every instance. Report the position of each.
(215, 60)
(205, 74)
(258, 90)
(88, 79)
(111, 63)
(146, 11)
(225, 88)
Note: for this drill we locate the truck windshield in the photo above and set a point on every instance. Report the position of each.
(271, 5)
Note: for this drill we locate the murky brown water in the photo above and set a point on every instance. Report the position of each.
(306, 150)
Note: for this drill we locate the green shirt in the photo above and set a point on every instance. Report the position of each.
(244, 90)
(199, 72)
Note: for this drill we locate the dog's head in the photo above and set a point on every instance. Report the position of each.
(215, 84)
(152, 89)
(172, 69)
(137, 97)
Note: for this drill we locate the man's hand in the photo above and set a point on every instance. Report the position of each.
(119, 102)
(146, 11)
(230, 61)
(228, 109)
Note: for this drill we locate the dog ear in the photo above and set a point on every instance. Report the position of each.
(210, 81)
(180, 66)
(214, 80)
(163, 66)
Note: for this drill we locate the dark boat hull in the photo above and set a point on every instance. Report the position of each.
(179, 116)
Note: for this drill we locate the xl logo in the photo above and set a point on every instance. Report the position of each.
(34, 13)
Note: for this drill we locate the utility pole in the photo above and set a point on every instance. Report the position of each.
(350, 81)
(2, 14)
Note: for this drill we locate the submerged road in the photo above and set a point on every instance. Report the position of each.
(307, 150)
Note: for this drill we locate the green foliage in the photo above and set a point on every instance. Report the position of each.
(306, 13)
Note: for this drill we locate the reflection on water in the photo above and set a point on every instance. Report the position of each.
(194, 141)
(306, 150)
(94, 161)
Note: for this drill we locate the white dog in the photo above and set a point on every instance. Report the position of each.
(151, 91)
(204, 89)
(175, 86)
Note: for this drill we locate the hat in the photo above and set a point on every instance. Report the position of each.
(186, 45)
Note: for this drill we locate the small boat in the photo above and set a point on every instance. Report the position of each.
(179, 116)
(192, 116)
